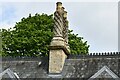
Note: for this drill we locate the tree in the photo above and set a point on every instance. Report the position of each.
(77, 46)
(0, 42)
(32, 36)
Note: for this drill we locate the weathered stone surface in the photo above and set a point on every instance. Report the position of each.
(58, 20)
(57, 55)
(27, 67)
(56, 62)
(59, 45)
(82, 67)
(86, 67)
(57, 41)
(65, 28)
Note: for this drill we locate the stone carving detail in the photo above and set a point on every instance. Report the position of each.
(59, 45)
(65, 28)
(58, 19)
(61, 22)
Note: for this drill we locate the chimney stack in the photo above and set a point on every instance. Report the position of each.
(58, 49)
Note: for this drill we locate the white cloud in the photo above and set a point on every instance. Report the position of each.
(0, 11)
(5, 25)
(96, 22)
(23, 9)
(59, 0)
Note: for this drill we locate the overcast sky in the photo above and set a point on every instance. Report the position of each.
(97, 22)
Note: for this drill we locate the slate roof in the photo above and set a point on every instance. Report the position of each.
(10, 74)
(78, 66)
(105, 69)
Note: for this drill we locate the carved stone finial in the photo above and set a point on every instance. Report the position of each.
(58, 24)
(58, 6)
(65, 14)
(58, 18)
(65, 29)
(63, 9)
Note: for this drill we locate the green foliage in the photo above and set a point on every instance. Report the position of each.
(77, 46)
(32, 36)
(0, 42)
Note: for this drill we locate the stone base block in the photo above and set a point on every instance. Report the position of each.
(56, 60)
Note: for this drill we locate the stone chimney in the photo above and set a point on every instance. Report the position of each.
(59, 47)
